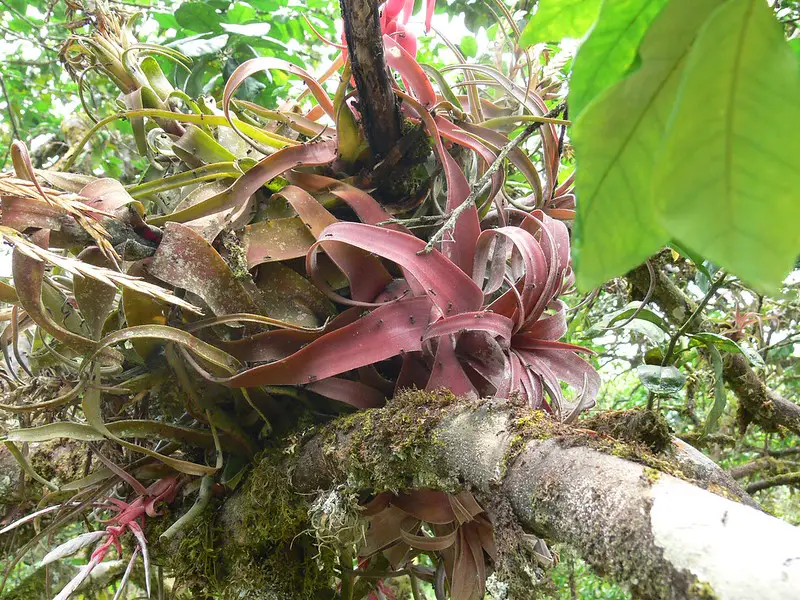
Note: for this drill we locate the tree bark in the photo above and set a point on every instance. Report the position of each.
(667, 538)
(759, 404)
(376, 100)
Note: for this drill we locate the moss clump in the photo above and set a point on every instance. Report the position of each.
(701, 590)
(530, 425)
(59, 461)
(235, 256)
(646, 427)
(258, 544)
(389, 448)
(273, 553)
(403, 185)
(651, 475)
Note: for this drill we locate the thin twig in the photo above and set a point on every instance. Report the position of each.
(485, 181)
(685, 327)
(12, 119)
(650, 289)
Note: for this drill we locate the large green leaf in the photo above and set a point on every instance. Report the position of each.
(729, 174)
(199, 17)
(616, 139)
(610, 50)
(558, 19)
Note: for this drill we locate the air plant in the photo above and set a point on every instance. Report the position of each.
(256, 255)
(130, 518)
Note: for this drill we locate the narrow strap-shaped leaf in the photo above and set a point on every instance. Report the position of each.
(163, 332)
(268, 168)
(93, 413)
(429, 543)
(28, 275)
(387, 331)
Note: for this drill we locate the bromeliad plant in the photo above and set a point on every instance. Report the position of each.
(258, 252)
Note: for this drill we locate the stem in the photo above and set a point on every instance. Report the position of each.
(415, 591)
(685, 327)
(11, 118)
(376, 100)
(348, 578)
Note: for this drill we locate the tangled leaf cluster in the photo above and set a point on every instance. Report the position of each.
(256, 266)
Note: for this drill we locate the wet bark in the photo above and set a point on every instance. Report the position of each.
(377, 103)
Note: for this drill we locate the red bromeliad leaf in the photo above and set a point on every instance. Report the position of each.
(517, 157)
(431, 506)
(367, 276)
(187, 261)
(350, 392)
(453, 133)
(417, 81)
(494, 324)
(387, 331)
(534, 265)
(429, 543)
(275, 240)
(275, 345)
(449, 288)
(256, 65)
(108, 195)
(550, 327)
(447, 371)
(461, 249)
(268, 168)
(365, 206)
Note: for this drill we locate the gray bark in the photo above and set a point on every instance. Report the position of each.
(666, 538)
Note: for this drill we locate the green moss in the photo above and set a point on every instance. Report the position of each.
(59, 461)
(389, 448)
(404, 184)
(651, 475)
(701, 590)
(235, 256)
(647, 427)
(259, 544)
(534, 425)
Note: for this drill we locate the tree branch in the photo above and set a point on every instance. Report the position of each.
(786, 479)
(667, 538)
(376, 100)
(759, 404)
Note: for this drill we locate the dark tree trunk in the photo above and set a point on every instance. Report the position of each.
(377, 102)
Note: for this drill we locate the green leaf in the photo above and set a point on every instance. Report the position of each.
(720, 341)
(558, 19)
(198, 16)
(616, 140)
(720, 399)
(753, 356)
(728, 175)
(94, 417)
(469, 46)
(795, 44)
(661, 380)
(644, 314)
(165, 20)
(239, 13)
(610, 50)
